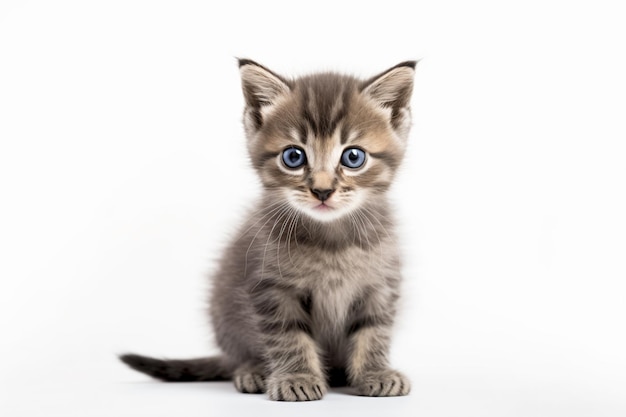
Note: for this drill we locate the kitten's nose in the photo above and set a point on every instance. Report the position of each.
(322, 195)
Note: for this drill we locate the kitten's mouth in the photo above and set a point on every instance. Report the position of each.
(323, 207)
(324, 212)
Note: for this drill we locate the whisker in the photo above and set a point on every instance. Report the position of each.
(380, 244)
(280, 234)
(376, 216)
(364, 229)
(257, 233)
(282, 214)
(274, 206)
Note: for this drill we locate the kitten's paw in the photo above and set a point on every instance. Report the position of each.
(296, 387)
(249, 380)
(387, 383)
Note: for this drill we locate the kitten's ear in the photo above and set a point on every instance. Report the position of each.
(392, 89)
(261, 87)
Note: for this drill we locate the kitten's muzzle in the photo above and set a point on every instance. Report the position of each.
(322, 195)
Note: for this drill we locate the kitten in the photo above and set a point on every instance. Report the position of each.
(306, 295)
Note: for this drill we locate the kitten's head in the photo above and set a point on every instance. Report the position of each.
(326, 143)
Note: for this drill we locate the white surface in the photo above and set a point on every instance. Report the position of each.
(123, 172)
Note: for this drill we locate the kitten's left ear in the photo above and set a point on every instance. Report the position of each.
(392, 89)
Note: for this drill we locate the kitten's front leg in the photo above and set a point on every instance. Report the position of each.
(368, 367)
(296, 373)
(295, 369)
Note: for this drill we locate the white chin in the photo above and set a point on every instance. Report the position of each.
(325, 214)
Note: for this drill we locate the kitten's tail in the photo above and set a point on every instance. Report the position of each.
(214, 368)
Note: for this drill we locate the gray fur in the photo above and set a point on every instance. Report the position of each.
(305, 295)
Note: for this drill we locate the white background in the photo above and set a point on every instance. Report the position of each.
(123, 173)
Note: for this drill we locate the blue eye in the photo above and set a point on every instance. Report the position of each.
(294, 157)
(353, 157)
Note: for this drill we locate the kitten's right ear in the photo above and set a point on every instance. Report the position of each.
(261, 87)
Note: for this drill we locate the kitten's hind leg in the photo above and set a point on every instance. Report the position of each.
(249, 378)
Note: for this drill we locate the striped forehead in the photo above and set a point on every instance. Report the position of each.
(325, 101)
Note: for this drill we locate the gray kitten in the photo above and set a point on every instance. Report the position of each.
(305, 296)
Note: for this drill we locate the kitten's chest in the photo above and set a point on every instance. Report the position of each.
(335, 280)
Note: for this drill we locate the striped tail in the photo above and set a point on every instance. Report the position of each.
(213, 368)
